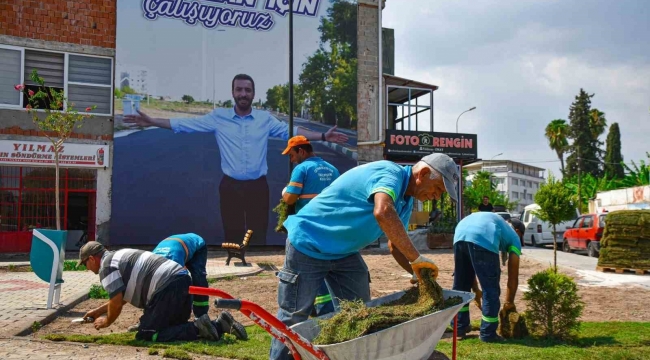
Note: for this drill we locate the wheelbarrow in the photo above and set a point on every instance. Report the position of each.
(412, 340)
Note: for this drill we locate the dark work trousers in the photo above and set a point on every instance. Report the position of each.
(470, 260)
(244, 205)
(197, 268)
(165, 317)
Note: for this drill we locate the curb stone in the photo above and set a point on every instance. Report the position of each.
(54, 313)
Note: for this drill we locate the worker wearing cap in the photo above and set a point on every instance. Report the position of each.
(189, 250)
(478, 240)
(157, 285)
(325, 236)
(308, 179)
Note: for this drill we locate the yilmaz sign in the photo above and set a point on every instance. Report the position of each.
(400, 143)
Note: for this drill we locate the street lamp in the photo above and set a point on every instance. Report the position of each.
(472, 108)
(492, 158)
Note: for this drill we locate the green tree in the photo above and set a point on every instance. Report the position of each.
(613, 156)
(187, 99)
(57, 124)
(482, 185)
(328, 80)
(227, 103)
(557, 132)
(126, 89)
(556, 202)
(582, 133)
(638, 175)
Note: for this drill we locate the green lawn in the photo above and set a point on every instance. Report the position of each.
(606, 341)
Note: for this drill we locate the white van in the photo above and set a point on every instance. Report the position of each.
(541, 233)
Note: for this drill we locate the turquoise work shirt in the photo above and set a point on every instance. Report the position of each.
(309, 178)
(489, 231)
(339, 221)
(173, 249)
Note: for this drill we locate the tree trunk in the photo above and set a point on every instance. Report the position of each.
(561, 156)
(56, 188)
(554, 250)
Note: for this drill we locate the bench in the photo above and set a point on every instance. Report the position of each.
(238, 250)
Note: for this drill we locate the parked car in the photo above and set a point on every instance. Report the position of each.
(585, 234)
(540, 232)
(505, 215)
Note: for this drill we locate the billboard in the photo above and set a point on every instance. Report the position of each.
(211, 81)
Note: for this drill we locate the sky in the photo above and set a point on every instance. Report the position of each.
(522, 62)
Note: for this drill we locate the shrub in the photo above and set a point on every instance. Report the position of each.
(554, 305)
(97, 292)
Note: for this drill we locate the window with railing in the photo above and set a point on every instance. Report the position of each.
(27, 198)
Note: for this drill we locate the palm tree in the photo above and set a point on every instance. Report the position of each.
(597, 123)
(557, 133)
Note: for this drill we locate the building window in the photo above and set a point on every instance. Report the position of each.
(515, 195)
(86, 80)
(515, 182)
(10, 75)
(27, 199)
(536, 185)
(530, 196)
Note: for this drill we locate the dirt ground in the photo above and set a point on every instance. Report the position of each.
(601, 304)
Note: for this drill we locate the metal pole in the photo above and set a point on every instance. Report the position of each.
(290, 77)
(461, 114)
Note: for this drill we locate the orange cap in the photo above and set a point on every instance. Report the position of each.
(295, 141)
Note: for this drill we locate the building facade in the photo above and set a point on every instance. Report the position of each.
(72, 46)
(520, 182)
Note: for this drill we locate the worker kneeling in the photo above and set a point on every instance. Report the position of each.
(478, 240)
(155, 284)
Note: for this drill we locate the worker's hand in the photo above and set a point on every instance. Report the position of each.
(91, 314)
(423, 263)
(101, 323)
(507, 306)
(478, 298)
(141, 119)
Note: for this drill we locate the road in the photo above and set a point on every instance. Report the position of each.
(314, 126)
(167, 184)
(586, 268)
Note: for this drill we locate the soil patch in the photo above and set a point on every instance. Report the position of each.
(386, 278)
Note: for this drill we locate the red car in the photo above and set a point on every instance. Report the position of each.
(585, 234)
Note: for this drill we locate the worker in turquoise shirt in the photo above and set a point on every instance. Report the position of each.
(478, 240)
(325, 236)
(189, 250)
(308, 179)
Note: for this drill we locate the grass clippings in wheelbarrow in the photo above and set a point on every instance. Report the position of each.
(356, 320)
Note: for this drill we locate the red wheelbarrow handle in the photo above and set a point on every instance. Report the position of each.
(262, 318)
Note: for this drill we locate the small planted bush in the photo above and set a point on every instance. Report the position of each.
(554, 305)
(97, 292)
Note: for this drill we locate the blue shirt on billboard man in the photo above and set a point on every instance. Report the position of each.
(242, 135)
(308, 179)
(325, 236)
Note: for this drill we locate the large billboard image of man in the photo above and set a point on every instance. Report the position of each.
(202, 103)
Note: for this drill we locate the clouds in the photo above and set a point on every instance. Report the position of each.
(521, 63)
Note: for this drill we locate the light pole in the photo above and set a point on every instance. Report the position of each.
(492, 158)
(472, 108)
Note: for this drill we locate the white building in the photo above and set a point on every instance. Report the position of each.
(518, 181)
(138, 78)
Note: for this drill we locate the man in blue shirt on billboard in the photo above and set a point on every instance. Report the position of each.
(308, 179)
(478, 240)
(242, 135)
(325, 236)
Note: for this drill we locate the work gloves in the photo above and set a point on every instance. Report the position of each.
(423, 263)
